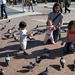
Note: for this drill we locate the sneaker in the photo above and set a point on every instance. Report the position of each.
(25, 53)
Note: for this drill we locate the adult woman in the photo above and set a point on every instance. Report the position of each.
(57, 22)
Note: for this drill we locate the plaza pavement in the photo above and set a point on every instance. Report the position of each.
(34, 48)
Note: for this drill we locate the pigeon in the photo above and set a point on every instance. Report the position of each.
(38, 60)
(62, 62)
(3, 27)
(13, 27)
(45, 55)
(13, 35)
(7, 59)
(30, 37)
(16, 38)
(7, 35)
(74, 65)
(30, 66)
(8, 21)
(9, 31)
(2, 72)
(45, 72)
(36, 27)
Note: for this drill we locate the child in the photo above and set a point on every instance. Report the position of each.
(70, 38)
(23, 36)
(49, 33)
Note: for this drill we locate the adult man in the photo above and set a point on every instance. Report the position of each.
(3, 9)
(67, 4)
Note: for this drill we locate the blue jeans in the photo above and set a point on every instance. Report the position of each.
(56, 34)
(3, 9)
(66, 47)
(30, 4)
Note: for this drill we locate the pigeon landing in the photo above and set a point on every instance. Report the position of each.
(30, 66)
(2, 72)
(7, 59)
(45, 72)
(62, 62)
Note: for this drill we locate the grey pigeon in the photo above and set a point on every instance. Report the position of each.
(30, 66)
(3, 27)
(45, 72)
(13, 27)
(62, 62)
(7, 59)
(7, 35)
(8, 21)
(38, 60)
(45, 55)
(2, 72)
(36, 27)
(9, 31)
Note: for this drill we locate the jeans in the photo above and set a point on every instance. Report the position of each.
(66, 47)
(66, 8)
(56, 34)
(3, 9)
(30, 4)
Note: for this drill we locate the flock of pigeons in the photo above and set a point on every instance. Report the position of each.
(37, 59)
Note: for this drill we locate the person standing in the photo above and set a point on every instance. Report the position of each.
(57, 17)
(23, 5)
(30, 3)
(3, 9)
(67, 4)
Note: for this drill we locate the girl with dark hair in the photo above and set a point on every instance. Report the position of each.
(23, 36)
(57, 17)
(70, 38)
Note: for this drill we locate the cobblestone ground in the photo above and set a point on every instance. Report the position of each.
(34, 48)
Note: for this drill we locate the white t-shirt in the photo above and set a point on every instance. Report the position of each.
(2, 2)
(22, 33)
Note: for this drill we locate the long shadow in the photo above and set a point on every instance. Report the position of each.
(13, 49)
(23, 71)
(34, 54)
(71, 67)
(57, 67)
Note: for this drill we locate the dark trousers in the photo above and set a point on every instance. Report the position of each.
(3, 9)
(66, 8)
(56, 34)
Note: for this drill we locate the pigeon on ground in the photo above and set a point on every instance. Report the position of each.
(30, 37)
(8, 21)
(9, 31)
(16, 38)
(30, 66)
(45, 55)
(7, 59)
(3, 27)
(7, 35)
(36, 27)
(62, 62)
(74, 65)
(45, 72)
(2, 72)
(13, 27)
(38, 60)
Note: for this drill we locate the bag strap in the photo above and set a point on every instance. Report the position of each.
(56, 17)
